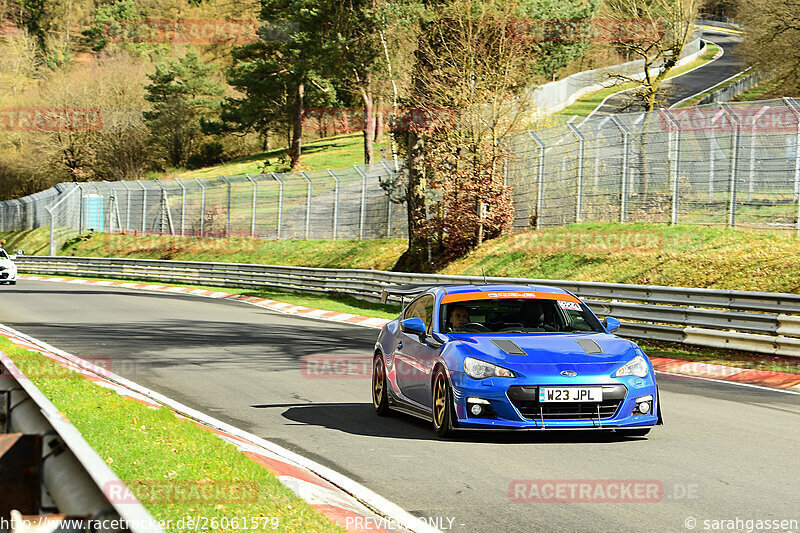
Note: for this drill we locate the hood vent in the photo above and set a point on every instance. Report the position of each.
(589, 346)
(509, 346)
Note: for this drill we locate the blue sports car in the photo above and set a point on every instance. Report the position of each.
(510, 357)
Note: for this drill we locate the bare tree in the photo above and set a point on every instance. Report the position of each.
(655, 31)
(772, 40)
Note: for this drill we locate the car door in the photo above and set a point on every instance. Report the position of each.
(419, 356)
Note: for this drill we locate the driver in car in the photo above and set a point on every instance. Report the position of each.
(459, 315)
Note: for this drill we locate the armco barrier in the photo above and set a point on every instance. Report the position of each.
(754, 321)
(71, 471)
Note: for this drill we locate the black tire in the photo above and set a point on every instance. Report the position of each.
(634, 432)
(442, 405)
(380, 395)
(13, 282)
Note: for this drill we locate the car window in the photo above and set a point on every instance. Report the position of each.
(517, 315)
(3, 254)
(421, 308)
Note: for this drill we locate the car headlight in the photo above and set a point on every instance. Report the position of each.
(477, 369)
(635, 367)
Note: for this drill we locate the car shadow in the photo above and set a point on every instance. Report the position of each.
(360, 419)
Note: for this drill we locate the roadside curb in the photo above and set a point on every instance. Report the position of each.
(323, 491)
(761, 378)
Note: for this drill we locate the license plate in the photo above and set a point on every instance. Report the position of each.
(570, 394)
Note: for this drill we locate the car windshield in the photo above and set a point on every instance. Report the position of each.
(517, 315)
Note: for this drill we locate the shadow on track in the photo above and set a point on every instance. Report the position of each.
(360, 419)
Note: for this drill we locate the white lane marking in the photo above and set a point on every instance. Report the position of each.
(752, 386)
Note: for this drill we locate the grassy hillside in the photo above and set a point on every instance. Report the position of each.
(332, 152)
(691, 256)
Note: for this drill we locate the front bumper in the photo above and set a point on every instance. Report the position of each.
(515, 405)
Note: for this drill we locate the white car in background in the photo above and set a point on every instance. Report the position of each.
(8, 270)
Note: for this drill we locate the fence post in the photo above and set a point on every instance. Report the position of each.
(753, 153)
(363, 202)
(308, 204)
(112, 200)
(144, 204)
(127, 205)
(255, 198)
(335, 202)
(228, 216)
(80, 212)
(51, 211)
(795, 108)
(712, 158)
(624, 185)
(166, 214)
(280, 202)
(389, 203)
(202, 207)
(711, 152)
(677, 166)
(734, 163)
(581, 145)
(183, 204)
(540, 176)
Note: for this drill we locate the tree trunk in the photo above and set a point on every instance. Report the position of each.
(297, 132)
(415, 258)
(379, 118)
(369, 127)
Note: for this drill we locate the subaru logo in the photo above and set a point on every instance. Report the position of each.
(569, 373)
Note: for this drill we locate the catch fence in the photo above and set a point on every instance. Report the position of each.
(733, 164)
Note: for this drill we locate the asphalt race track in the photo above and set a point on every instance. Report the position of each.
(691, 83)
(726, 451)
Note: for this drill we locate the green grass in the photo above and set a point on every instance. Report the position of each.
(374, 254)
(155, 453)
(654, 254)
(332, 152)
(758, 92)
(588, 103)
(657, 254)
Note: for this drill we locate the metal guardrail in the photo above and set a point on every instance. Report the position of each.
(73, 474)
(753, 321)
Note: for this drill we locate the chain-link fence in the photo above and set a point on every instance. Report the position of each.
(729, 164)
(349, 203)
(733, 164)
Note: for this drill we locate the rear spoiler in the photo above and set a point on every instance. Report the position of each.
(403, 291)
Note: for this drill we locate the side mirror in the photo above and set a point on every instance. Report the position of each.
(414, 326)
(611, 324)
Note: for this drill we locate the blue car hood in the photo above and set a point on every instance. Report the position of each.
(552, 349)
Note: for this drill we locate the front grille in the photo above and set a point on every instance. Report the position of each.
(526, 400)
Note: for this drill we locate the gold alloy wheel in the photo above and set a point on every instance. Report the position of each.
(377, 382)
(439, 400)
